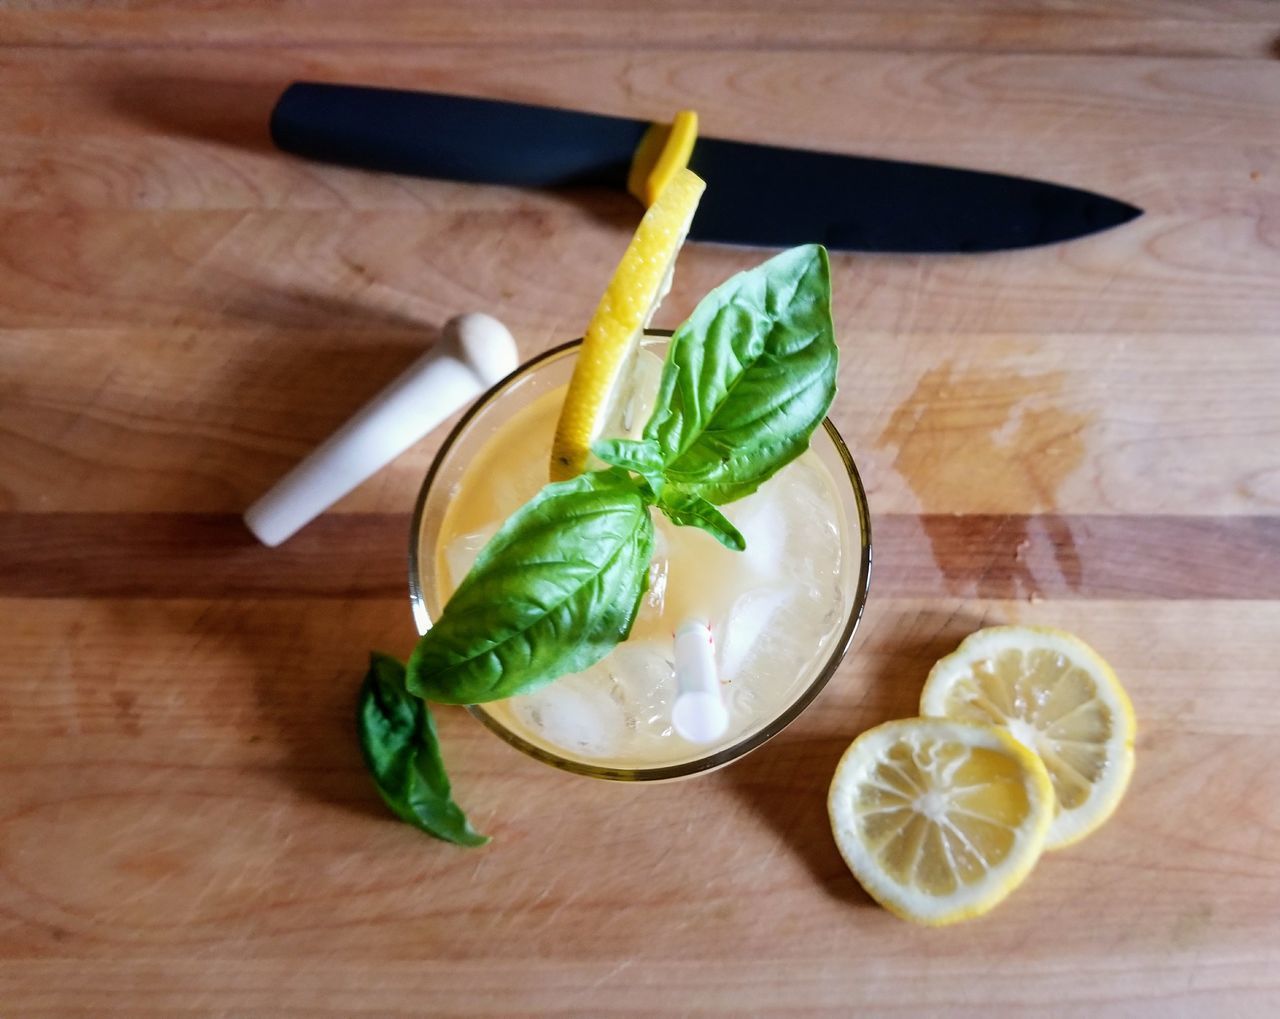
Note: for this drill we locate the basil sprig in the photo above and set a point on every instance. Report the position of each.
(747, 379)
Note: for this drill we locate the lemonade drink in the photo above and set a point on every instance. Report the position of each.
(781, 612)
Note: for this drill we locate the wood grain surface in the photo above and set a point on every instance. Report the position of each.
(1085, 435)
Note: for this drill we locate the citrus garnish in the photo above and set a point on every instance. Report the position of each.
(939, 820)
(1056, 696)
(600, 386)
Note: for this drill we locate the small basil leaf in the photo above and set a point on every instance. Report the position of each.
(748, 377)
(689, 510)
(642, 457)
(401, 748)
(551, 593)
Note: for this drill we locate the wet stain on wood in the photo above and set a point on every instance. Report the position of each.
(976, 443)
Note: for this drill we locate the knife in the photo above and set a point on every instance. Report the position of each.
(757, 195)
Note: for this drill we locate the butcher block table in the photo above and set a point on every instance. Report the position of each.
(1085, 436)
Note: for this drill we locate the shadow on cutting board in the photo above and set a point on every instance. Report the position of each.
(242, 680)
(268, 645)
(329, 358)
(231, 111)
(785, 782)
(238, 113)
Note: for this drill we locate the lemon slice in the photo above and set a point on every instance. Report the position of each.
(939, 820)
(1056, 696)
(600, 386)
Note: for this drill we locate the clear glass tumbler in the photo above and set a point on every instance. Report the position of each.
(532, 380)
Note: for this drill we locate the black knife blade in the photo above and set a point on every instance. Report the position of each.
(757, 195)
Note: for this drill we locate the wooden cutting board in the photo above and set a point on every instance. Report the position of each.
(1086, 436)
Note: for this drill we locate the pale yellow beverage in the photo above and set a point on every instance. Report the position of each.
(781, 612)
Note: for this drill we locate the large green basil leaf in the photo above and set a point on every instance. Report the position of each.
(748, 377)
(551, 593)
(401, 748)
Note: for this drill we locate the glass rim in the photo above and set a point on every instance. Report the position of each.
(711, 761)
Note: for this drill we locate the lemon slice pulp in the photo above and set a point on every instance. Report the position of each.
(1056, 696)
(939, 820)
(600, 386)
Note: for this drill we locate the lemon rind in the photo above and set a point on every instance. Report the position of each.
(619, 321)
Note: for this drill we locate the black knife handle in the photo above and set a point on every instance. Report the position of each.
(453, 137)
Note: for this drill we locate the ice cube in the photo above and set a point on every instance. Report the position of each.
(655, 597)
(460, 553)
(575, 714)
(751, 621)
(642, 682)
(646, 373)
(763, 525)
(813, 551)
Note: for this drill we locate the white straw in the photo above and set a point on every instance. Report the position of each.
(699, 714)
(474, 352)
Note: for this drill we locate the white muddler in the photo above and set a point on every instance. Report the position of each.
(474, 352)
